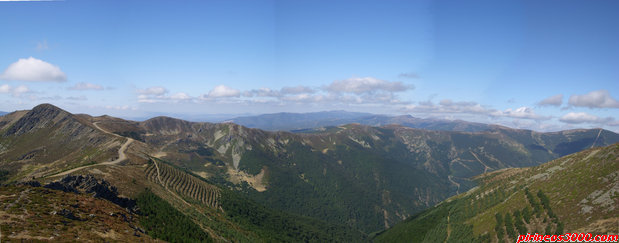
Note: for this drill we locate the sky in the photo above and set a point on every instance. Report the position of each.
(541, 65)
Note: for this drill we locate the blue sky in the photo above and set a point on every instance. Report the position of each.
(542, 65)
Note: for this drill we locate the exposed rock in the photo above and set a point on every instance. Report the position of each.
(90, 185)
(68, 214)
(31, 183)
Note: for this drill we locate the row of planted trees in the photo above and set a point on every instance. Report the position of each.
(184, 183)
(511, 224)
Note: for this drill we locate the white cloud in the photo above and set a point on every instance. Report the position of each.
(555, 100)
(158, 90)
(180, 96)
(582, 117)
(521, 113)
(594, 99)
(159, 94)
(306, 98)
(152, 94)
(86, 86)
(14, 91)
(297, 90)
(262, 92)
(366, 85)
(32, 69)
(20, 90)
(5, 88)
(448, 106)
(222, 91)
(266, 92)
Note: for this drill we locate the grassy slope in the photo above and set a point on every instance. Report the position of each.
(582, 189)
(48, 140)
(36, 213)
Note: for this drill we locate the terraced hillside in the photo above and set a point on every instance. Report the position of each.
(576, 193)
(183, 183)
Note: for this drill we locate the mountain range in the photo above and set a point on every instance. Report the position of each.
(317, 121)
(340, 183)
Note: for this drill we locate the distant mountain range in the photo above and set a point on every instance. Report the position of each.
(2, 113)
(311, 122)
(340, 183)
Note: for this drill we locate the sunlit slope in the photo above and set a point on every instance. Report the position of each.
(367, 177)
(576, 193)
(47, 140)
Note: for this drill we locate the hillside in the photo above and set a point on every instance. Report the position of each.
(131, 174)
(30, 213)
(576, 193)
(351, 177)
(353, 174)
(48, 140)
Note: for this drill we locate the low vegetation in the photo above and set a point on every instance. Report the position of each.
(162, 221)
(552, 198)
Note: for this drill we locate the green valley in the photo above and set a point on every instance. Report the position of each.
(576, 193)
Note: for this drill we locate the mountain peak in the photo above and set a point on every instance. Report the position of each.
(47, 110)
(40, 116)
(46, 106)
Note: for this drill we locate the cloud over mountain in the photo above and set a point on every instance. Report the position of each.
(582, 117)
(594, 99)
(366, 85)
(448, 106)
(222, 91)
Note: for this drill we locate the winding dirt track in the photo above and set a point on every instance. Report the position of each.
(121, 154)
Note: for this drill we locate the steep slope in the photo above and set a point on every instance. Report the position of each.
(365, 177)
(576, 193)
(30, 213)
(47, 140)
(227, 215)
(242, 220)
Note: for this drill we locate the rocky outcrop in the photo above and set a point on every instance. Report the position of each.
(90, 185)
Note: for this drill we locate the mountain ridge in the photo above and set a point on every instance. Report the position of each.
(314, 121)
(575, 193)
(365, 177)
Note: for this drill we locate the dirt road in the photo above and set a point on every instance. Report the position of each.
(121, 155)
